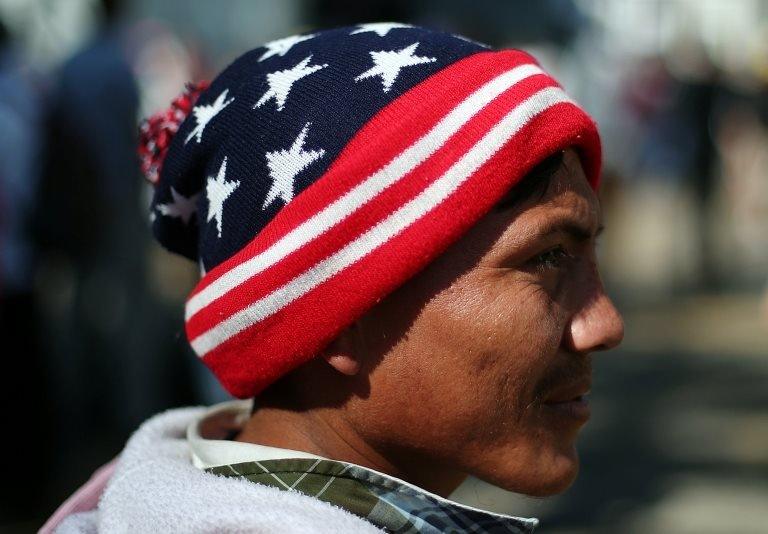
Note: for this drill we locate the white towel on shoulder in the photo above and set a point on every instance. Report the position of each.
(155, 488)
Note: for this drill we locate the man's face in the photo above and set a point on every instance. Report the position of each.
(466, 360)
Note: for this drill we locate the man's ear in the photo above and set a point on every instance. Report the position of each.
(342, 352)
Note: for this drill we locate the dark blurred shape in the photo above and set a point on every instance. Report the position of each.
(25, 388)
(112, 10)
(4, 37)
(516, 21)
(343, 12)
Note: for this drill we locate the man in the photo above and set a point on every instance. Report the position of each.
(397, 232)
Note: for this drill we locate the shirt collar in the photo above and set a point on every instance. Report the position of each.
(212, 451)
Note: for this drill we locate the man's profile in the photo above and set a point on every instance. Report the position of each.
(396, 230)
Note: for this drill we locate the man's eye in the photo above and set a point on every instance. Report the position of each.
(552, 258)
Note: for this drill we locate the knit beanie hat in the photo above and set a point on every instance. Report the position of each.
(319, 172)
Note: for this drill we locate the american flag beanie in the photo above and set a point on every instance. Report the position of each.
(319, 172)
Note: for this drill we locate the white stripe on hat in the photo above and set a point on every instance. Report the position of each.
(355, 198)
(396, 222)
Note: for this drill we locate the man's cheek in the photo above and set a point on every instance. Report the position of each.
(540, 319)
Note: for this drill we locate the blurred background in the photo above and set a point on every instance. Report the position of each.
(91, 309)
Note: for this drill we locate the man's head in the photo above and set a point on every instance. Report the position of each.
(351, 204)
(462, 364)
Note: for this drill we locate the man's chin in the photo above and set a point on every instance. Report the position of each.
(542, 478)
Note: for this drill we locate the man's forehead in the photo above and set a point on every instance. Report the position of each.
(568, 203)
(567, 175)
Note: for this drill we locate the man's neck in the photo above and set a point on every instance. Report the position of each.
(325, 433)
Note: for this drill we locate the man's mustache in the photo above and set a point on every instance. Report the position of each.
(573, 369)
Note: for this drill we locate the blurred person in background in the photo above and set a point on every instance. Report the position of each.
(107, 351)
(396, 230)
(20, 151)
(89, 225)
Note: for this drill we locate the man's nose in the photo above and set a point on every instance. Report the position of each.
(597, 325)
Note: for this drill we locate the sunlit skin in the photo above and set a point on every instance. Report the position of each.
(450, 375)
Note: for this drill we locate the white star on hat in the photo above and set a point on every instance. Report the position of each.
(181, 207)
(280, 82)
(382, 28)
(387, 64)
(280, 47)
(205, 112)
(218, 190)
(285, 165)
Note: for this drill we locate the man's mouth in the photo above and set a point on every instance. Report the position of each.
(571, 401)
(570, 392)
(577, 409)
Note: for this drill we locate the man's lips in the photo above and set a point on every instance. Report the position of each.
(570, 401)
(570, 392)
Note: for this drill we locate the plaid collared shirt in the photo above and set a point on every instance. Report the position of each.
(384, 501)
(387, 502)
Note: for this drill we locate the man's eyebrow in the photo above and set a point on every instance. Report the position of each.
(576, 230)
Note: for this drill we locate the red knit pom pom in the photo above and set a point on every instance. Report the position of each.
(156, 132)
